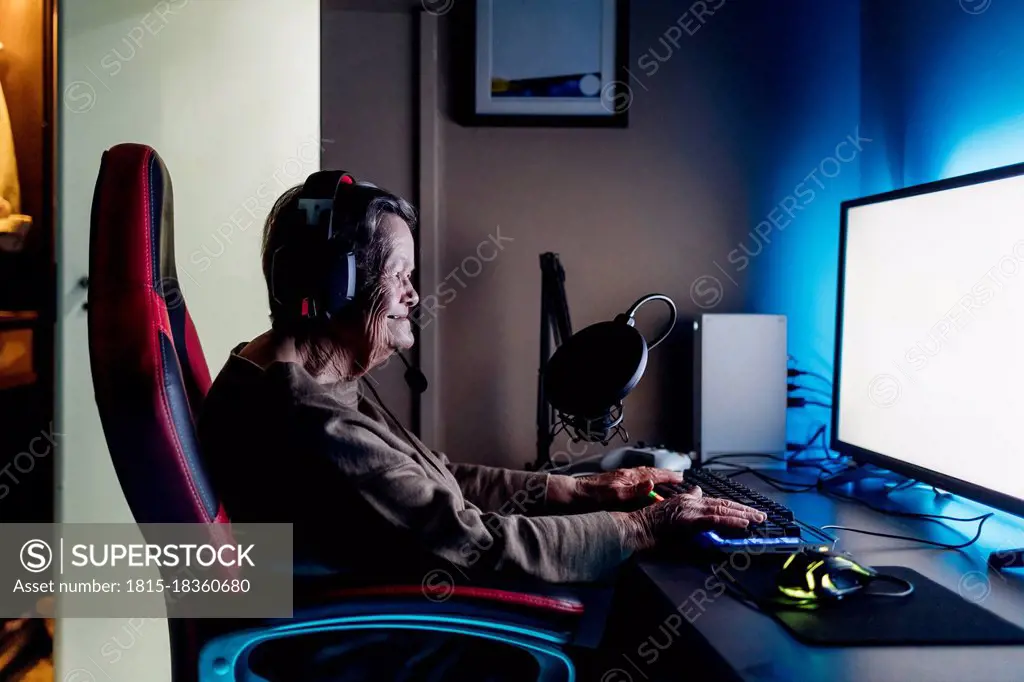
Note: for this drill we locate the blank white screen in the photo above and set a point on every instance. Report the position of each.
(932, 362)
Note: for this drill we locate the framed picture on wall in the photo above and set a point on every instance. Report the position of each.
(548, 63)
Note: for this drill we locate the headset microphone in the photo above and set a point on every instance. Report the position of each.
(414, 378)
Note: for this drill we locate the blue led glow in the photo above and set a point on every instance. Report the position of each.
(232, 647)
(719, 540)
(425, 618)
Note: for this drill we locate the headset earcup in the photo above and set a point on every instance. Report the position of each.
(342, 281)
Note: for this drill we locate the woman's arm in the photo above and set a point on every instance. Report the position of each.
(521, 492)
(504, 491)
(431, 513)
(573, 548)
(398, 490)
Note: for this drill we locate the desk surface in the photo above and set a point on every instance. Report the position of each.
(755, 647)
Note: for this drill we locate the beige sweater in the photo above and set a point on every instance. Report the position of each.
(282, 447)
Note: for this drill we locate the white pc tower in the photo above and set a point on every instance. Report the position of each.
(740, 364)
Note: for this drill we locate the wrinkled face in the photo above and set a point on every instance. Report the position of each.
(397, 295)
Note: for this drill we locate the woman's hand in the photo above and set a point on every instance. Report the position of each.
(691, 511)
(613, 488)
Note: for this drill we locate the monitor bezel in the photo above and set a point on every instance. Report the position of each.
(986, 496)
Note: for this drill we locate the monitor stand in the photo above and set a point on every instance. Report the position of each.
(1006, 558)
(853, 475)
(860, 472)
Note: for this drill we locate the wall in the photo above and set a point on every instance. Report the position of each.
(230, 99)
(927, 85)
(801, 62)
(630, 212)
(955, 70)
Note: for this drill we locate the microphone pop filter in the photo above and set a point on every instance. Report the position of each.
(595, 369)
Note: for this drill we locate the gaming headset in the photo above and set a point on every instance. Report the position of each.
(323, 276)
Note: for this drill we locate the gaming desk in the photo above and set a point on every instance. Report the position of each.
(724, 639)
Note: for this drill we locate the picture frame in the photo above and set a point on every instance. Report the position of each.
(545, 63)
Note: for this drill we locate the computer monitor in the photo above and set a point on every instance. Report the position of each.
(929, 352)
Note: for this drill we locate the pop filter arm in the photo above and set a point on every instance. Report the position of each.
(556, 327)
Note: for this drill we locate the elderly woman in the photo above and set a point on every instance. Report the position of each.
(291, 438)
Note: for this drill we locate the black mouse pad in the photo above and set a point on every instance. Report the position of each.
(931, 615)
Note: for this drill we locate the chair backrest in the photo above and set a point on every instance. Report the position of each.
(148, 368)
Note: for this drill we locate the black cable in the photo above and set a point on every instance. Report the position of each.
(812, 438)
(715, 458)
(882, 577)
(799, 401)
(941, 545)
(804, 447)
(796, 463)
(789, 461)
(737, 592)
(793, 372)
(395, 420)
(792, 388)
(825, 444)
(906, 485)
(821, 433)
(777, 483)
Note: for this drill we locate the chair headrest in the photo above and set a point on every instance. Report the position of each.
(148, 368)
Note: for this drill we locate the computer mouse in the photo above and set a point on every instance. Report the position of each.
(817, 575)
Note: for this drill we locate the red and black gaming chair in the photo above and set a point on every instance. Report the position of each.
(150, 377)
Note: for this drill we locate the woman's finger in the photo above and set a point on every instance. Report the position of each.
(722, 521)
(665, 476)
(728, 504)
(722, 510)
(694, 493)
(718, 507)
(736, 505)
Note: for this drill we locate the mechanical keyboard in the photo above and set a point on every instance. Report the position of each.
(780, 532)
